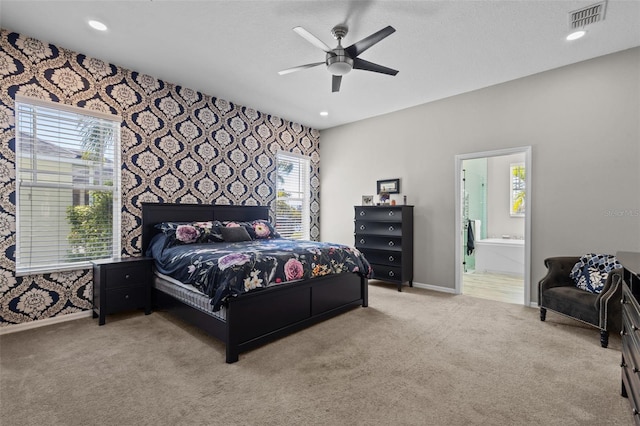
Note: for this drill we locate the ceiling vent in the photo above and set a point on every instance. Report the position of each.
(587, 15)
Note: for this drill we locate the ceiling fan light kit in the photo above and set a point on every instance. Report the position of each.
(340, 60)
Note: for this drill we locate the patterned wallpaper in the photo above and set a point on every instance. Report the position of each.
(178, 145)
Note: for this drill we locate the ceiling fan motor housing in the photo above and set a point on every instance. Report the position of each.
(338, 62)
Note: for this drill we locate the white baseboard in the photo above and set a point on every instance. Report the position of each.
(435, 288)
(14, 328)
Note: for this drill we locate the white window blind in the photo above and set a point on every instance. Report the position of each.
(68, 186)
(293, 218)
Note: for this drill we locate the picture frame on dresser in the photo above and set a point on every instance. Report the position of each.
(367, 200)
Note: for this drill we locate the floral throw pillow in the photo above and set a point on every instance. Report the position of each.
(192, 232)
(257, 229)
(591, 271)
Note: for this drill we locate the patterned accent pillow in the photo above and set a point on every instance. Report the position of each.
(257, 229)
(192, 232)
(591, 271)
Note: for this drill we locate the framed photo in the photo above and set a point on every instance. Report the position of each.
(390, 186)
(367, 200)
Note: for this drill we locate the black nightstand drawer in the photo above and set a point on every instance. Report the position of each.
(124, 276)
(126, 298)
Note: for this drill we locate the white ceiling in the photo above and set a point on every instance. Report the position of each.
(234, 49)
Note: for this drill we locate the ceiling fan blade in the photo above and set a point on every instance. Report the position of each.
(299, 67)
(335, 83)
(361, 64)
(312, 39)
(360, 46)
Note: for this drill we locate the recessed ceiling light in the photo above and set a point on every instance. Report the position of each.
(97, 25)
(324, 113)
(576, 35)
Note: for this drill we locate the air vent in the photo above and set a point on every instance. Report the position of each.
(587, 15)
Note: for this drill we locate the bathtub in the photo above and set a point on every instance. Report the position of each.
(500, 255)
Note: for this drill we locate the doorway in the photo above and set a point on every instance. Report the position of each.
(492, 226)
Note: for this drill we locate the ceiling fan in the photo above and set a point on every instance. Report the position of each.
(341, 60)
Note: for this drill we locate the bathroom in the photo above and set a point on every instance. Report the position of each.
(493, 208)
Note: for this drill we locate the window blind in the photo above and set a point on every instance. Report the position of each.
(293, 219)
(68, 193)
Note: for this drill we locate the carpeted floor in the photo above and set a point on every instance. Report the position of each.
(412, 358)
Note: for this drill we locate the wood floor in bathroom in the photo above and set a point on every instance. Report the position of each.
(503, 288)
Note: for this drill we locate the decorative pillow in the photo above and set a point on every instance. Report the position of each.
(192, 232)
(234, 234)
(263, 229)
(257, 229)
(591, 271)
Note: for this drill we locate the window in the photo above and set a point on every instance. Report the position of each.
(293, 218)
(518, 190)
(68, 186)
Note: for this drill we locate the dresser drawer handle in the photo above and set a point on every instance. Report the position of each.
(362, 227)
(361, 240)
(622, 333)
(633, 327)
(634, 411)
(126, 296)
(362, 213)
(391, 228)
(391, 244)
(126, 277)
(391, 274)
(390, 212)
(391, 258)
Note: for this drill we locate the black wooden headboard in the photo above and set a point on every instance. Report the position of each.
(154, 213)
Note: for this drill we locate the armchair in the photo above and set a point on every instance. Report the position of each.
(557, 292)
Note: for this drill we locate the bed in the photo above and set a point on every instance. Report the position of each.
(250, 319)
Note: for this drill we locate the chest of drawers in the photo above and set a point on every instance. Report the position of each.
(384, 234)
(631, 331)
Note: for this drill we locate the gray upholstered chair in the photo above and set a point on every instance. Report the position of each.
(557, 292)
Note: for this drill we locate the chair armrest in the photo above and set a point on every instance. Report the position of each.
(608, 301)
(558, 270)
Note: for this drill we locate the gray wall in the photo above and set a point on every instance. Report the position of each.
(582, 122)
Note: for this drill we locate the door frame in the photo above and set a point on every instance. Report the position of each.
(527, 214)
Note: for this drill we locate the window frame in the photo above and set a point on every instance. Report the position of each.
(305, 191)
(62, 264)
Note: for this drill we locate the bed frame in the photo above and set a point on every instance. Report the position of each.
(255, 318)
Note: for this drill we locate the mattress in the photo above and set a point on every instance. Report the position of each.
(187, 294)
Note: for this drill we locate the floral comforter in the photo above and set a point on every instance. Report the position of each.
(222, 270)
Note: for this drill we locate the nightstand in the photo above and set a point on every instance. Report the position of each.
(121, 284)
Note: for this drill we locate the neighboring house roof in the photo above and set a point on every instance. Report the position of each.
(51, 149)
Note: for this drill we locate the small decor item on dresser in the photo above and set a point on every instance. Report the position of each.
(384, 198)
(367, 200)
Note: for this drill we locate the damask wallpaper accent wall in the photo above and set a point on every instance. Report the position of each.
(178, 145)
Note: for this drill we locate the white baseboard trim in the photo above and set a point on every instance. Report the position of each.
(435, 288)
(14, 328)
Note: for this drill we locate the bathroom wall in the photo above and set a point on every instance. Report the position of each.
(499, 220)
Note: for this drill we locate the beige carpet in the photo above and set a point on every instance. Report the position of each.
(411, 358)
